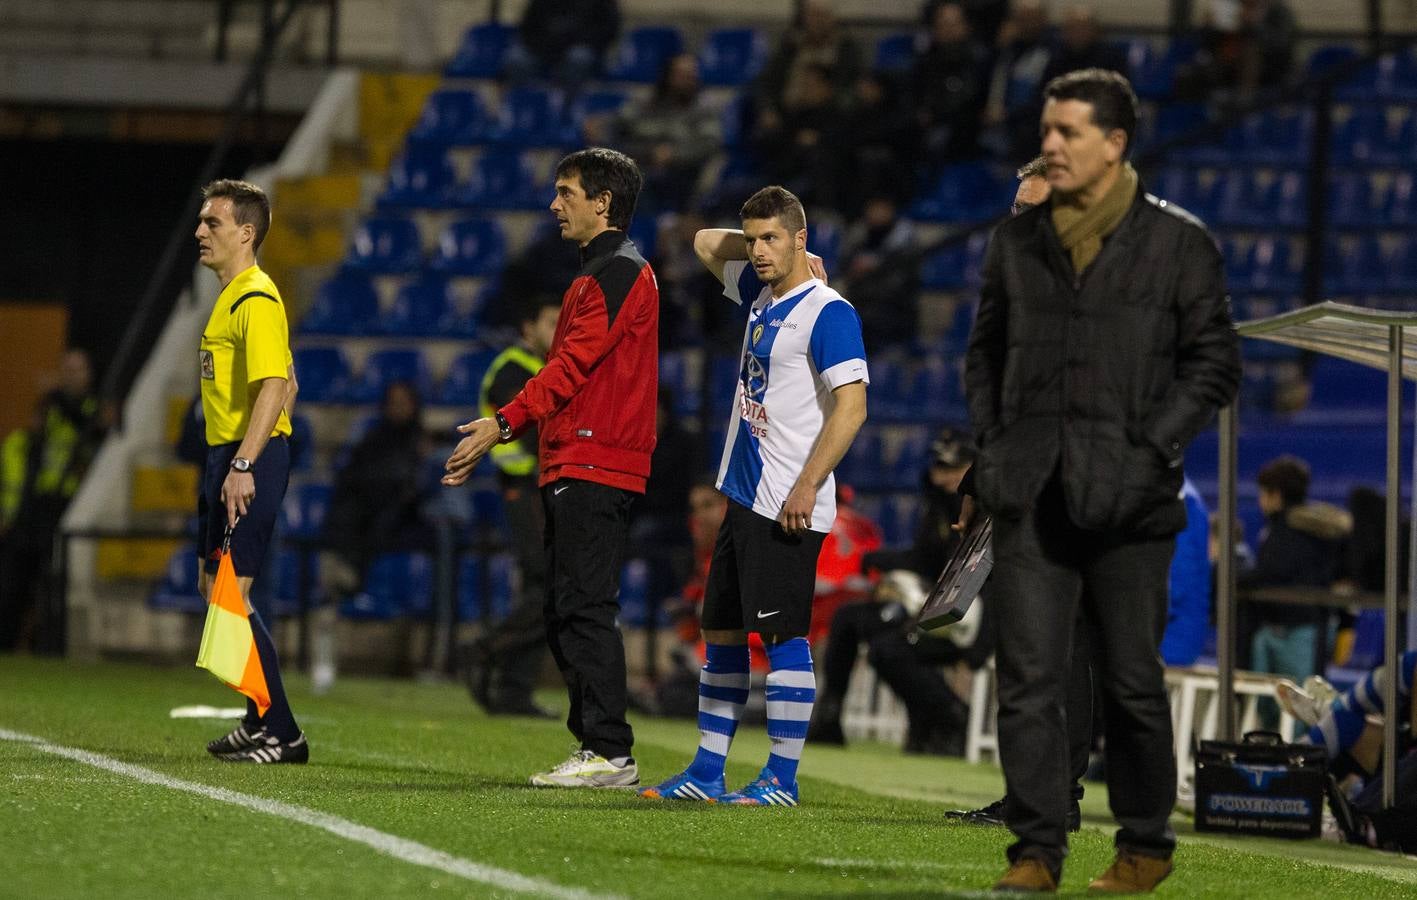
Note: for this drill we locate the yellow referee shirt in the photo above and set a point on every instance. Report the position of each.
(246, 340)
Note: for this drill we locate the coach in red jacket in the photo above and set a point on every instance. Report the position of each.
(595, 405)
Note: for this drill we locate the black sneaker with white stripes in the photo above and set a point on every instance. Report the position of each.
(272, 749)
(240, 739)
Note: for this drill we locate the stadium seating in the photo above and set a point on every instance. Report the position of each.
(503, 178)
(424, 308)
(451, 117)
(323, 373)
(462, 384)
(1354, 265)
(482, 51)
(530, 117)
(421, 177)
(485, 587)
(177, 591)
(895, 52)
(344, 304)
(302, 513)
(475, 247)
(385, 245)
(731, 57)
(397, 584)
(642, 53)
(384, 367)
(964, 193)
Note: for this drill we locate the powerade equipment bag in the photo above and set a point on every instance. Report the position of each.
(1260, 785)
(962, 578)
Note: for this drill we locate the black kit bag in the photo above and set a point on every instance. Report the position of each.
(1260, 785)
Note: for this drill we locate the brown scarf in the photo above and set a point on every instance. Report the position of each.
(1081, 230)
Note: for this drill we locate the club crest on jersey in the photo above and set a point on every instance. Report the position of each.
(754, 376)
(757, 332)
(208, 364)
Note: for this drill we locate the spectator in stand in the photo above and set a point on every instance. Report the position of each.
(883, 140)
(562, 40)
(1082, 46)
(40, 471)
(802, 149)
(816, 43)
(673, 135)
(986, 17)
(1246, 46)
(375, 507)
(876, 261)
(1013, 103)
(1301, 545)
(948, 82)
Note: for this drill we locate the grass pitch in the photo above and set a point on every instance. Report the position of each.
(401, 765)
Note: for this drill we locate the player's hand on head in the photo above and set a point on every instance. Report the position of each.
(816, 266)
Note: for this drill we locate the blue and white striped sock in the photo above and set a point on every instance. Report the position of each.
(723, 692)
(792, 689)
(1345, 720)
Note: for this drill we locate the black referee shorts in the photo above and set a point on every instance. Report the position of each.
(761, 578)
(252, 536)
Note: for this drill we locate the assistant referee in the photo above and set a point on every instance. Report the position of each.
(248, 387)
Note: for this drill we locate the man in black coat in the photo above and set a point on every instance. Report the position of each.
(1103, 344)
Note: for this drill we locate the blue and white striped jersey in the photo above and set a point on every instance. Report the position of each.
(796, 351)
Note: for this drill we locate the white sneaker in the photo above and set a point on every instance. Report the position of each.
(588, 769)
(1299, 703)
(1317, 686)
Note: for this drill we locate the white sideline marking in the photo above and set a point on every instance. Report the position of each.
(390, 845)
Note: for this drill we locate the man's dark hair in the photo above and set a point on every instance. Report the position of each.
(249, 205)
(776, 200)
(1287, 476)
(1114, 103)
(1034, 168)
(601, 169)
(528, 313)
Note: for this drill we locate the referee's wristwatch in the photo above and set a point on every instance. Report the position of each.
(241, 464)
(504, 427)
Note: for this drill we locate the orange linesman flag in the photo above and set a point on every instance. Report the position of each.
(228, 648)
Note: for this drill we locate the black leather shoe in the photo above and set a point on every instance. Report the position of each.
(993, 814)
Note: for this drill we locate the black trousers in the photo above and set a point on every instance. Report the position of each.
(517, 644)
(1045, 566)
(586, 526)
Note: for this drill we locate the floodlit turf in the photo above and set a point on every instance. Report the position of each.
(417, 762)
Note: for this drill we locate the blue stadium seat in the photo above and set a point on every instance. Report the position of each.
(644, 232)
(1390, 78)
(890, 389)
(1153, 72)
(824, 239)
(396, 584)
(1270, 267)
(676, 373)
(475, 247)
(634, 593)
(861, 467)
(642, 53)
(483, 48)
(424, 308)
(419, 178)
(1402, 272)
(503, 179)
(1354, 265)
(451, 117)
(589, 105)
(1328, 57)
(302, 513)
(474, 587)
(289, 581)
(1370, 137)
(1243, 200)
(1175, 119)
(177, 591)
(964, 192)
(384, 367)
(344, 304)
(385, 245)
(895, 52)
(302, 444)
(323, 373)
(731, 57)
(1352, 202)
(944, 270)
(1400, 201)
(530, 117)
(462, 384)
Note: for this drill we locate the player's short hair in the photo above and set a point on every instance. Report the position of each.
(1287, 476)
(601, 169)
(776, 200)
(1034, 168)
(1114, 103)
(249, 204)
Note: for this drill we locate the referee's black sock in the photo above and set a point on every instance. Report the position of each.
(278, 720)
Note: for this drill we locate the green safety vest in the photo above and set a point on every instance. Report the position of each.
(513, 457)
(57, 470)
(14, 459)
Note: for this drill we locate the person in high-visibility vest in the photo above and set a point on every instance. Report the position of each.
(503, 665)
(40, 471)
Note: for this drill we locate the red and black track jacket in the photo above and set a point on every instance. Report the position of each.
(595, 399)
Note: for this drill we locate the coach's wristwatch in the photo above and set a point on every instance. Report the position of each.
(504, 427)
(241, 464)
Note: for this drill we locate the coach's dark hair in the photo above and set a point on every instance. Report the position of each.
(1287, 476)
(776, 200)
(1034, 168)
(1114, 103)
(601, 169)
(249, 205)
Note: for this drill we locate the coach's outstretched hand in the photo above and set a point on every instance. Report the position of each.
(482, 434)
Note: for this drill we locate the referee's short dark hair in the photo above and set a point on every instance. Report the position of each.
(601, 169)
(1114, 103)
(776, 200)
(249, 204)
(1287, 476)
